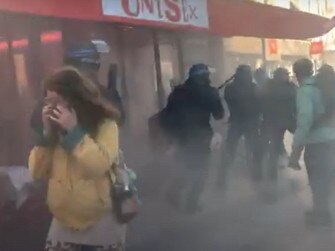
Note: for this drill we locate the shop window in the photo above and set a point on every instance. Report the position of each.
(51, 37)
(51, 50)
(21, 73)
(20, 43)
(3, 46)
(20, 66)
(29, 49)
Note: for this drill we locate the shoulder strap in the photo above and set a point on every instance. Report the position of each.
(118, 172)
(115, 165)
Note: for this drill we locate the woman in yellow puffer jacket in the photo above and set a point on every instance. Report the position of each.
(74, 153)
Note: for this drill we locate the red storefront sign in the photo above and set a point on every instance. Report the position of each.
(177, 12)
(273, 46)
(316, 48)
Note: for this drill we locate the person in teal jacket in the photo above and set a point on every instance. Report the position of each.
(318, 139)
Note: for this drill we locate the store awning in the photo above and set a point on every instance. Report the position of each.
(225, 17)
(245, 18)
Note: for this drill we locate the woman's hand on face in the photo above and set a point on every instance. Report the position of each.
(65, 118)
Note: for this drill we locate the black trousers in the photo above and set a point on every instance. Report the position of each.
(273, 147)
(191, 172)
(250, 131)
(320, 165)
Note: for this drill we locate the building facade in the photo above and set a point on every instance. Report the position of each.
(147, 58)
(152, 43)
(282, 52)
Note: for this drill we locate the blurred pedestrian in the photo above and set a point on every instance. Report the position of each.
(187, 120)
(316, 131)
(74, 153)
(244, 106)
(260, 77)
(279, 115)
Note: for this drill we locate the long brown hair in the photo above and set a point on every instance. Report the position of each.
(83, 96)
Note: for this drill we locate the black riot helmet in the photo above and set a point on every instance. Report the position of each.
(243, 74)
(82, 55)
(199, 74)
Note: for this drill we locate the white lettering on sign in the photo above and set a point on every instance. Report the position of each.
(180, 12)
